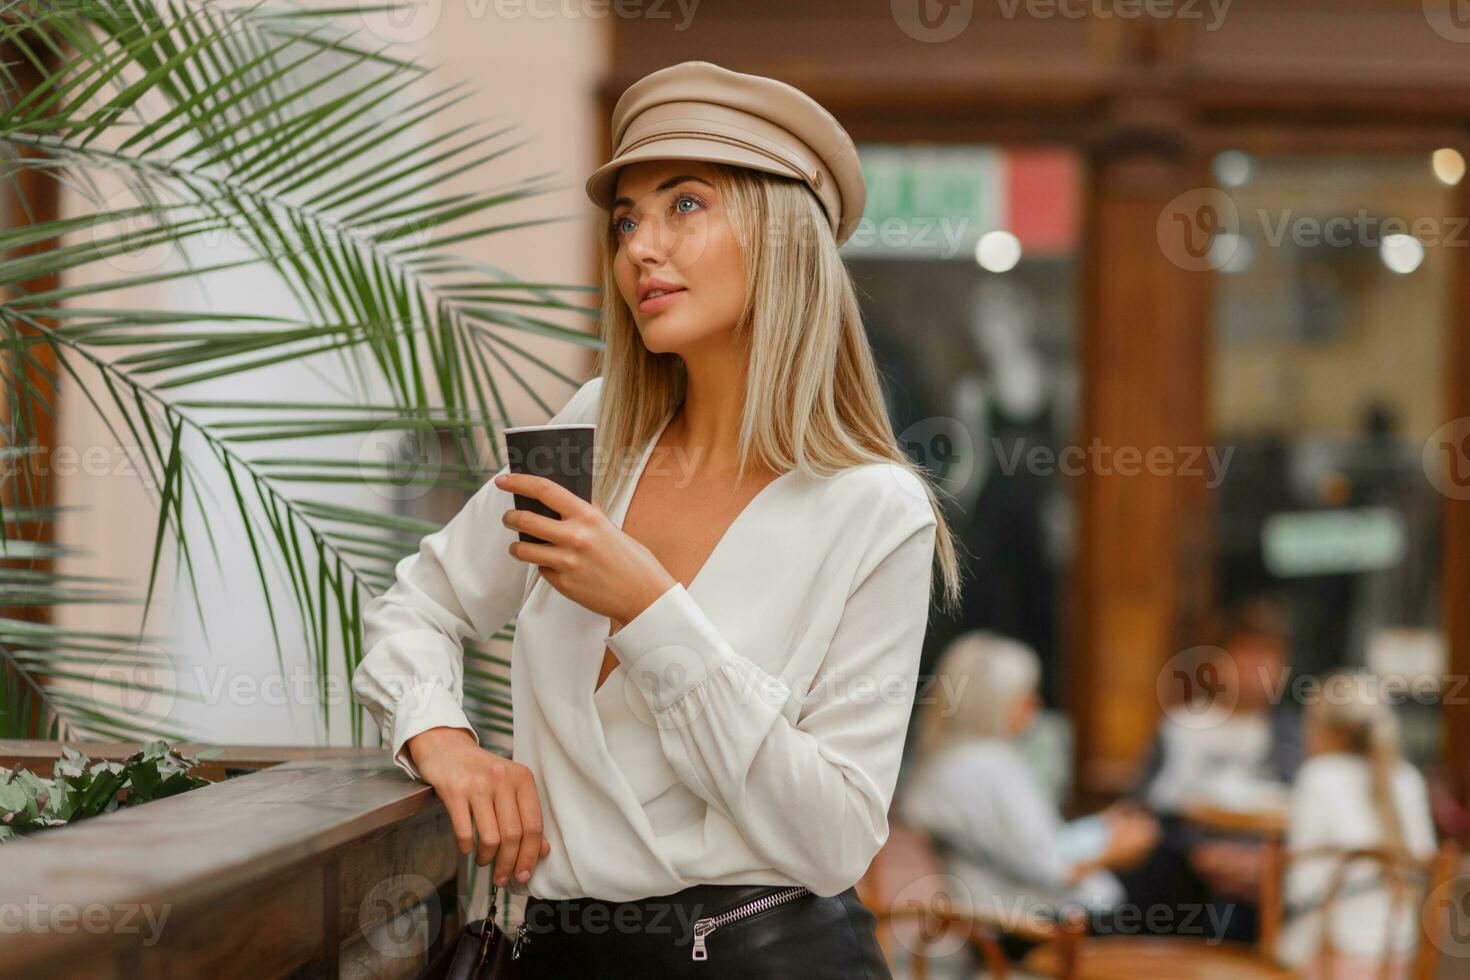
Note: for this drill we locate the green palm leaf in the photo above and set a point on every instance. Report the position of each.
(280, 131)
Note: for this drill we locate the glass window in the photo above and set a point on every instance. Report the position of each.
(965, 263)
(1327, 385)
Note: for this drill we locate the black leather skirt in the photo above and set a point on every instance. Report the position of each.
(729, 932)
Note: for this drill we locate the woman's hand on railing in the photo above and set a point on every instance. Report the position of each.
(483, 788)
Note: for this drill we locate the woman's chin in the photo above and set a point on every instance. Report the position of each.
(684, 332)
(661, 338)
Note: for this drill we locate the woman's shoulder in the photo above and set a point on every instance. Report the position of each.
(966, 766)
(583, 405)
(991, 755)
(1333, 768)
(1330, 767)
(885, 489)
(869, 511)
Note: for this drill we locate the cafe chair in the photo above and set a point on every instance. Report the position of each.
(1422, 881)
(1161, 957)
(905, 888)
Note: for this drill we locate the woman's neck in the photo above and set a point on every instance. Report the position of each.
(707, 427)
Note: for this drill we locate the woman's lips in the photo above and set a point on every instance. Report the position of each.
(655, 303)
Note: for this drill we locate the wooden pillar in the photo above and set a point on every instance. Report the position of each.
(1142, 572)
(1455, 590)
(26, 198)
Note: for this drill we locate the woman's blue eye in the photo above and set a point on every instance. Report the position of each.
(617, 224)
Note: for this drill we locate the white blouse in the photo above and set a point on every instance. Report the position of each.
(752, 731)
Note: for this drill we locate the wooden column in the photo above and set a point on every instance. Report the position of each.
(27, 198)
(1455, 590)
(1142, 569)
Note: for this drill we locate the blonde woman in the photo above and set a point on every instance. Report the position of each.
(715, 659)
(1355, 791)
(998, 832)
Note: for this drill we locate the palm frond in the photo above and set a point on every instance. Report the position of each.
(70, 683)
(265, 140)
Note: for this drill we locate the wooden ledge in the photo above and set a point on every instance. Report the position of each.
(259, 875)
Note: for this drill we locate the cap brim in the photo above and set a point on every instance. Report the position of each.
(603, 183)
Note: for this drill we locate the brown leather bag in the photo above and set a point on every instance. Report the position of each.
(482, 952)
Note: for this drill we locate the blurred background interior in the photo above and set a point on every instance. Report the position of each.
(1176, 307)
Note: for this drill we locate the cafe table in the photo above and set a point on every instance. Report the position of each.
(1177, 958)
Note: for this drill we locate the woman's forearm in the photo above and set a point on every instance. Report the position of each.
(460, 584)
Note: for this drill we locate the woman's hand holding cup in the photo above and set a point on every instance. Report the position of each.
(587, 558)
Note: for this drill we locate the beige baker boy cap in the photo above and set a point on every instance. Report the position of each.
(697, 110)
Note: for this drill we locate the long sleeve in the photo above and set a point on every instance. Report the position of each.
(462, 582)
(1024, 840)
(810, 796)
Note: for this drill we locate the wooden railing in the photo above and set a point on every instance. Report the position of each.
(307, 863)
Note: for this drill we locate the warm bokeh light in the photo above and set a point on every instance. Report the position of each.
(1449, 165)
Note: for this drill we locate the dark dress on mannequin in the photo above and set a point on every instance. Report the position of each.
(1012, 589)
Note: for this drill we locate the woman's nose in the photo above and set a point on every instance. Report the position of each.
(649, 242)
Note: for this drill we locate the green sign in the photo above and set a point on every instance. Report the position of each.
(1333, 542)
(928, 201)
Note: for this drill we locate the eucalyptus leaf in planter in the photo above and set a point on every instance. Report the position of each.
(80, 788)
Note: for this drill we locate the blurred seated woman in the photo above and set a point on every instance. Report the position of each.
(995, 827)
(1355, 791)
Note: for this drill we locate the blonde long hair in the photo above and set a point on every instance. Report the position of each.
(812, 395)
(1350, 706)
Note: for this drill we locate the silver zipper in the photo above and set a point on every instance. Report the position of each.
(521, 933)
(703, 927)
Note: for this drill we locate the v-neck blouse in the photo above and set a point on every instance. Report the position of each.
(752, 730)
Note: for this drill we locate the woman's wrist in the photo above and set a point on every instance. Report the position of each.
(645, 595)
(431, 737)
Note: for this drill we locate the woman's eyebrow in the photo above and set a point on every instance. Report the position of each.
(671, 182)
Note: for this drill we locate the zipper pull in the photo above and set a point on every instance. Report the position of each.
(702, 928)
(520, 940)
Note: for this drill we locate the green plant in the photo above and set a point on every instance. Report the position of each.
(327, 163)
(80, 788)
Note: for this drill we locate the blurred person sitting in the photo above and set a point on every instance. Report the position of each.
(1355, 792)
(1233, 741)
(994, 822)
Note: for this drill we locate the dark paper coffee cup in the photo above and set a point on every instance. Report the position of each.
(561, 453)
